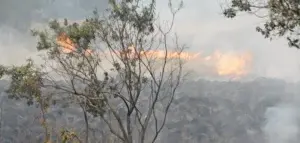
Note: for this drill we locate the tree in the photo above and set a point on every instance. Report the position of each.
(109, 66)
(282, 17)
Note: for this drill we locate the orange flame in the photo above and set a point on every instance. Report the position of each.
(225, 64)
(160, 54)
(68, 46)
(64, 41)
(231, 64)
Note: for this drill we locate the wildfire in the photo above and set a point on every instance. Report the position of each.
(160, 54)
(231, 64)
(66, 43)
(224, 64)
(68, 46)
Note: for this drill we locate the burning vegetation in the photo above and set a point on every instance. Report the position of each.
(234, 65)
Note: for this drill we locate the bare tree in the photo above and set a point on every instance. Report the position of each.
(123, 67)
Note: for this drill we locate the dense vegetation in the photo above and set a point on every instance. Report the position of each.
(98, 84)
(204, 111)
(101, 65)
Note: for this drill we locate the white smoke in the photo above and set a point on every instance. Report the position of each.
(282, 124)
(16, 42)
(15, 47)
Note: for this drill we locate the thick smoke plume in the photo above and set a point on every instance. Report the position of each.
(282, 124)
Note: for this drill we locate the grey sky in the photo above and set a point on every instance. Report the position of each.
(18, 16)
(200, 25)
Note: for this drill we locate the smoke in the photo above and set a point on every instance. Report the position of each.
(281, 124)
(16, 44)
(17, 18)
(20, 15)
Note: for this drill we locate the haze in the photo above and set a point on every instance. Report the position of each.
(200, 25)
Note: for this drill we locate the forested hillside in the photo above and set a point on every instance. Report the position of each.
(204, 111)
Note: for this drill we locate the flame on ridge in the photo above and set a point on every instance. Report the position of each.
(224, 64)
(160, 54)
(231, 64)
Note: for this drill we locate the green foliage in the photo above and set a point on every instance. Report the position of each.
(67, 136)
(130, 11)
(82, 34)
(2, 71)
(129, 22)
(26, 82)
(43, 42)
(282, 18)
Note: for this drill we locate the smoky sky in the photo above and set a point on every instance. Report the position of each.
(200, 25)
(17, 17)
(19, 14)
